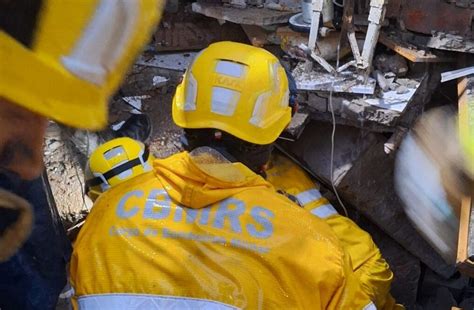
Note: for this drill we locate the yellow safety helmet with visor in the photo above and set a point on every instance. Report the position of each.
(115, 162)
(70, 56)
(236, 88)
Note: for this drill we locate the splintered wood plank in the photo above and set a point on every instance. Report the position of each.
(464, 222)
(412, 54)
(465, 240)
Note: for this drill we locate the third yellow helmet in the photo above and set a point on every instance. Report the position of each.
(114, 162)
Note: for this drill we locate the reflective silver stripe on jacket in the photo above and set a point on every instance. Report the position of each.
(308, 196)
(146, 302)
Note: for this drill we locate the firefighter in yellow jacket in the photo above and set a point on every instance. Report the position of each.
(201, 229)
(368, 264)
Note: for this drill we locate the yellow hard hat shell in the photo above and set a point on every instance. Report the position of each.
(74, 56)
(237, 88)
(114, 162)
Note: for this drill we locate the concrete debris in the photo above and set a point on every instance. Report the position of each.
(344, 82)
(297, 124)
(249, 16)
(159, 81)
(136, 102)
(393, 143)
(450, 42)
(402, 89)
(379, 112)
(381, 81)
(171, 61)
(53, 146)
(391, 63)
(395, 100)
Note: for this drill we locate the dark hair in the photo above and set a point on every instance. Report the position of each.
(254, 156)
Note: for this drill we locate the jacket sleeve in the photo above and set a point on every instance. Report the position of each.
(368, 265)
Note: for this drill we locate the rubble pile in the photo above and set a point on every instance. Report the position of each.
(372, 67)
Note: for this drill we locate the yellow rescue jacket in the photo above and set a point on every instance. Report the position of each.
(368, 264)
(208, 235)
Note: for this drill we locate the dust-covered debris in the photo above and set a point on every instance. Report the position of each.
(249, 16)
(344, 82)
(66, 176)
(451, 42)
(171, 61)
(67, 150)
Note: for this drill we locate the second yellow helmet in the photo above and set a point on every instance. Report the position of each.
(237, 88)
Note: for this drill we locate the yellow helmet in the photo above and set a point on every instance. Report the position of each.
(236, 88)
(63, 59)
(115, 162)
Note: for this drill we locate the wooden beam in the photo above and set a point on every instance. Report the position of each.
(411, 54)
(463, 261)
(463, 239)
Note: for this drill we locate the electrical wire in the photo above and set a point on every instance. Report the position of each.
(338, 4)
(333, 133)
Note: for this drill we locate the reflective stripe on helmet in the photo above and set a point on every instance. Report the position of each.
(224, 100)
(230, 68)
(103, 41)
(259, 109)
(102, 178)
(191, 93)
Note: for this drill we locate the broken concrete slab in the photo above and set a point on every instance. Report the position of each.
(351, 143)
(363, 174)
(450, 42)
(171, 61)
(344, 82)
(381, 112)
(395, 100)
(391, 63)
(297, 125)
(247, 16)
